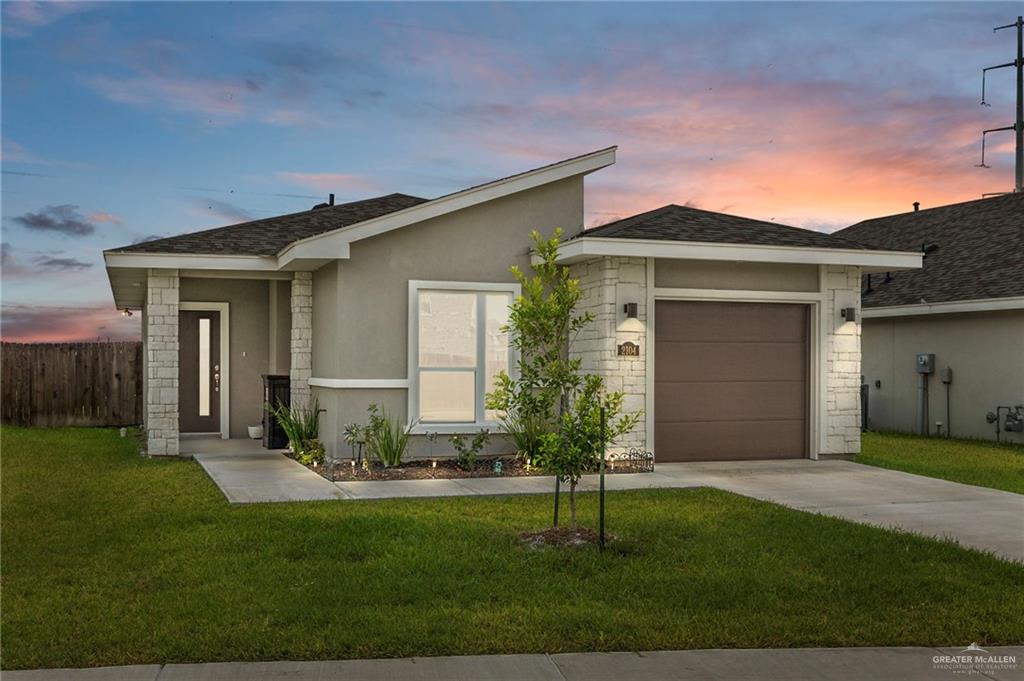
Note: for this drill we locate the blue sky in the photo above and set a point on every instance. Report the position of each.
(128, 120)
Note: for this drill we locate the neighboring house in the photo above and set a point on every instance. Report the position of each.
(965, 306)
(726, 332)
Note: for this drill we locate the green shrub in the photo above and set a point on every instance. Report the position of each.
(385, 438)
(467, 455)
(302, 427)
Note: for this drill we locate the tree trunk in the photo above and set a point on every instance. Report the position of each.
(572, 504)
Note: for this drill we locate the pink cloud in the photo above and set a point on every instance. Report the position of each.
(104, 217)
(337, 182)
(31, 324)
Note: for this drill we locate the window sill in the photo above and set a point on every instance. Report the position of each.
(456, 428)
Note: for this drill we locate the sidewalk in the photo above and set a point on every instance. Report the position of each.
(807, 664)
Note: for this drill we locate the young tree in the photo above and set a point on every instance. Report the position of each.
(554, 409)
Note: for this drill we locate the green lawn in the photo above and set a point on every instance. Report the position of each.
(974, 462)
(110, 559)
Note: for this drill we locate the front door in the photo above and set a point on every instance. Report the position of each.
(199, 371)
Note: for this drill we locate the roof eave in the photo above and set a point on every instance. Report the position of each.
(584, 248)
(944, 307)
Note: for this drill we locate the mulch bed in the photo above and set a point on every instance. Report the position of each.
(563, 537)
(445, 469)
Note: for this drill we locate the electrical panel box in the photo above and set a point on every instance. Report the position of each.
(946, 375)
(926, 363)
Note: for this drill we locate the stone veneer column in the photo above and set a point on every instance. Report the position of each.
(161, 374)
(842, 356)
(608, 283)
(302, 338)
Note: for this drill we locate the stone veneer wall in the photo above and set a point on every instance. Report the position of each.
(161, 371)
(842, 357)
(301, 369)
(608, 283)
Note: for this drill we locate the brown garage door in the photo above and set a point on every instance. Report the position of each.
(731, 381)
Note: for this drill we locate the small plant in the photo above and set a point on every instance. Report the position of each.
(467, 455)
(385, 438)
(525, 432)
(355, 437)
(302, 427)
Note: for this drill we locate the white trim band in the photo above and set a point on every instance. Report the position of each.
(343, 383)
(584, 248)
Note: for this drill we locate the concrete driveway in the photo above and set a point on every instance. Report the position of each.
(979, 517)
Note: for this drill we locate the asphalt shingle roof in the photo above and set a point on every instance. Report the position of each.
(682, 223)
(980, 252)
(270, 235)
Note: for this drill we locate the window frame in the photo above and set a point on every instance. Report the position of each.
(480, 387)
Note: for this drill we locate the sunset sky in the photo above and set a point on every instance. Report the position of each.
(123, 121)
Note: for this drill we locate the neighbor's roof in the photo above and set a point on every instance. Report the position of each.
(269, 235)
(682, 223)
(979, 254)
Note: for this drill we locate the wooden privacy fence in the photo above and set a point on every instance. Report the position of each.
(71, 384)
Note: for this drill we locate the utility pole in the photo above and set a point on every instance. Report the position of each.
(1018, 125)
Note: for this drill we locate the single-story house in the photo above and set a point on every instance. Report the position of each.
(737, 338)
(963, 311)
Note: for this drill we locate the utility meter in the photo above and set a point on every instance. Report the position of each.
(926, 363)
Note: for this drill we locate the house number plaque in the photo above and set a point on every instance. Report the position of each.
(629, 349)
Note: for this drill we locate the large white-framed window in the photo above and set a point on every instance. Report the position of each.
(456, 348)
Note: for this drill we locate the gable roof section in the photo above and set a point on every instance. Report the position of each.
(979, 254)
(682, 223)
(311, 238)
(269, 235)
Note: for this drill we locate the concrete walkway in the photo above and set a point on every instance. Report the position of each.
(979, 517)
(259, 476)
(809, 664)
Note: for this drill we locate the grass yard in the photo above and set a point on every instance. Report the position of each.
(974, 462)
(109, 559)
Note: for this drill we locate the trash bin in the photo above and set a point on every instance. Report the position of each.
(276, 391)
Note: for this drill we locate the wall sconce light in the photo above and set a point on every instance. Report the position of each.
(849, 314)
(126, 312)
(631, 310)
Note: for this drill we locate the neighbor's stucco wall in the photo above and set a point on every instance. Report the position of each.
(248, 319)
(360, 305)
(734, 276)
(984, 349)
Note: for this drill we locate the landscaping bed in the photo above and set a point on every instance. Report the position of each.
(443, 469)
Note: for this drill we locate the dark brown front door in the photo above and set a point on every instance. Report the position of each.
(199, 371)
(731, 381)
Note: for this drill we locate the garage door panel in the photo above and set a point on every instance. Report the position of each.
(731, 361)
(731, 380)
(722, 322)
(730, 441)
(735, 400)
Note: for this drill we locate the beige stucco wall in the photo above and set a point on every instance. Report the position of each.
(279, 352)
(734, 276)
(984, 349)
(248, 312)
(360, 305)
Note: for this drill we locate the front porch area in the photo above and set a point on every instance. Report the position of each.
(210, 339)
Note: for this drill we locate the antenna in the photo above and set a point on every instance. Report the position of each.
(1018, 125)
